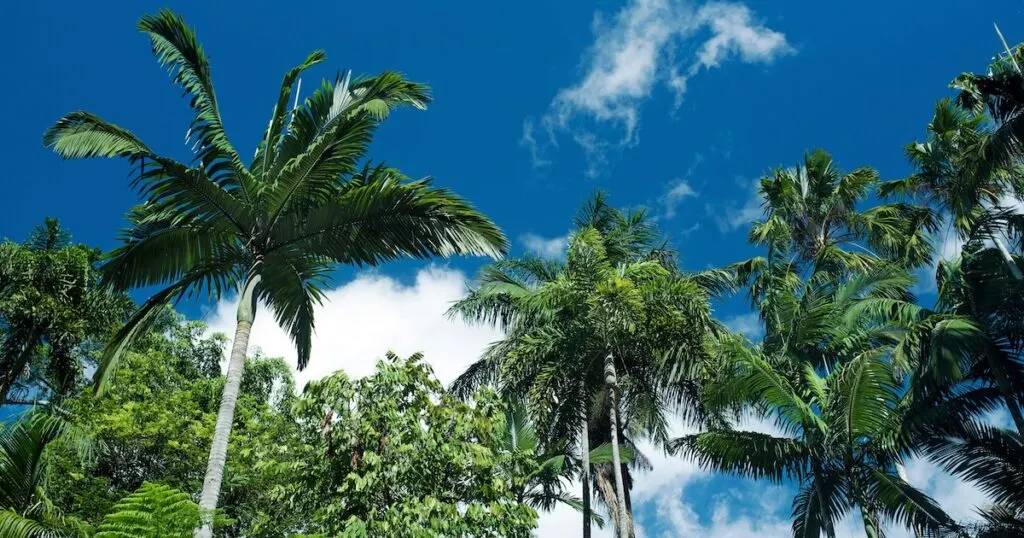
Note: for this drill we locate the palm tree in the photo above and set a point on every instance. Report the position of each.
(811, 212)
(991, 458)
(585, 338)
(25, 509)
(273, 230)
(956, 175)
(837, 444)
(1000, 93)
(971, 344)
(544, 469)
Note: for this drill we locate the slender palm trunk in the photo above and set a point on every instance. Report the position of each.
(226, 415)
(1011, 264)
(830, 531)
(611, 380)
(585, 472)
(11, 370)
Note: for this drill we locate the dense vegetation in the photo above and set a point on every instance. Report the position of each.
(120, 422)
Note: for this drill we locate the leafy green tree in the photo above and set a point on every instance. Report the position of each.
(273, 230)
(992, 459)
(394, 454)
(812, 211)
(1000, 93)
(147, 429)
(52, 312)
(969, 346)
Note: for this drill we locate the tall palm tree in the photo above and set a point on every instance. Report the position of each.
(544, 467)
(1000, 93)
(955, 175)
(992, 459)
(838, 441)
(588, 334)
(811, 212)
(273, 230)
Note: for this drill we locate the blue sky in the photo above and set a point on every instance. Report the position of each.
(678, 106)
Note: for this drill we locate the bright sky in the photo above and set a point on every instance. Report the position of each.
(673, 105)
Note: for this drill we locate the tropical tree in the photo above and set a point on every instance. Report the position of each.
(1000, 94)
(992, 459)
(151, 421)
(970, 346)
(837, 442)
(572, 327)
(273, 230)
(51, 312)
(812, 212)
(955, 177)
(25, 509)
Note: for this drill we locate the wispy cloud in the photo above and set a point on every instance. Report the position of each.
(529, 141)
(678, 191)
(639, 48)
(735, 214)
(545, 247)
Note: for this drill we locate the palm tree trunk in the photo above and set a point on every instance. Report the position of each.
(611, 380)
(226, 415)
(11, 370)
(585, 472)
(1011, 264)
(830, 531)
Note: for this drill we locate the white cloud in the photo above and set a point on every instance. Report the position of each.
(677, 518)
(736, 33)
(735, 214)
(545, 247)
(361, 320)
(748, 325)
(639, 48)
(678, 191)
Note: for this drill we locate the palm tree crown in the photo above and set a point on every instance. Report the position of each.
(302, 204)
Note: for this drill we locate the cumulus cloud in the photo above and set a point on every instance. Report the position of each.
(638, 49)
(545, 247)
(361, 320)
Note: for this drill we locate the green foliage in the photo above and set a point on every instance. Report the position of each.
(52, 312)
(394, 454)
(25, 509)
(154, 511)
(300, 208)
(154, 427)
